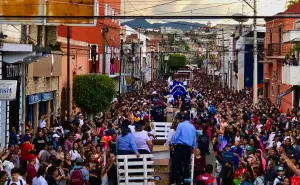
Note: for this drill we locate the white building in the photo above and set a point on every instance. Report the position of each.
(14, 55)
(143, 69)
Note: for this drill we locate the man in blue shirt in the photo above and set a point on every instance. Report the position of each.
(184, 141)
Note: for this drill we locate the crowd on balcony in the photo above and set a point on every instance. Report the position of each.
(253, 144)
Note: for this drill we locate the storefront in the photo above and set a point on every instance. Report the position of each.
(37, 105)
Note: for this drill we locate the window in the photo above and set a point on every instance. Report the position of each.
(278, 89)
(105, 10)
(113, 14)
(279, 38)
(272, 90)
(93, 51)
(297, 25)
(271, 35)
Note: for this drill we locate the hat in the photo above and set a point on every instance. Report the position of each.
(24, 138)
(154, 92)
(79, 160)
(147, 117)
(280, 168)
(31, 157)
(55, 136)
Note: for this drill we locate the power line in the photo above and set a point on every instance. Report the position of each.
(198, 8)
(200, 17)
(162, 4)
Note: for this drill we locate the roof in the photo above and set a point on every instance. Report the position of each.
(259, 34)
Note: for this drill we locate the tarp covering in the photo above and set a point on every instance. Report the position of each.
(279, 97)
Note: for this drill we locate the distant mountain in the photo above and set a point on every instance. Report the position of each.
(142, 23)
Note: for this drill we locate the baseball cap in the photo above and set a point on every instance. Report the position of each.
(31, 157)
(280, 168)
(55, 136)
(79, 160)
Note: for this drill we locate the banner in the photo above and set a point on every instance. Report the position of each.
(178, 88)
(8, 89)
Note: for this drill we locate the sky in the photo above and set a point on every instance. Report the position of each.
(201, 7)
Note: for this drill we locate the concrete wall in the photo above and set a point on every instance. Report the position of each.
(78, 66)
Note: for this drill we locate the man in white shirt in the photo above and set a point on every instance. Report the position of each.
(81, 122)
(42, 122)
(143, 142)
(14, 178)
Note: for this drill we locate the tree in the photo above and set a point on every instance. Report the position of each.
(199, 61)
(176, 61)
(93, 93)
(292, 3)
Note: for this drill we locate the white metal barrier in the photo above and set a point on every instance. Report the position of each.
(162, 129)
(133, 170)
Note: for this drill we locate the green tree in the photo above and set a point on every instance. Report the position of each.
(186, 47)
(93, 93)
(176, 61)
(199, 61)
(292, 3)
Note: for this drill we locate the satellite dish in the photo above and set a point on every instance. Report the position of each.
(240, 20)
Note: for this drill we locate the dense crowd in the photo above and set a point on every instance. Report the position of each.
(253, 144)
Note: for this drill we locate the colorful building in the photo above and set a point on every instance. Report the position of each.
(103, 40)
(281, 76)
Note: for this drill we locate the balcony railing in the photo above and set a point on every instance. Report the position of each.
(291, 75)
(291, 36)
(278, 49)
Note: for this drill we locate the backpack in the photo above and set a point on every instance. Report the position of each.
(77, 177)
(280, 180)
(9, 180)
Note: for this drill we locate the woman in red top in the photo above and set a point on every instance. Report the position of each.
(199, 163)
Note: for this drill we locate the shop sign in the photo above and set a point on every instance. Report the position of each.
(35, 98)
(47, 96)
(8, 89)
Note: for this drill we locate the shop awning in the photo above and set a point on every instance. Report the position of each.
(279, 97)
(21, 53)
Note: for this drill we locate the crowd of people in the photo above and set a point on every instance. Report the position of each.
(253, 144)
(79, 151)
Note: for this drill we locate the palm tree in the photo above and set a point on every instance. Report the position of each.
(292, 2)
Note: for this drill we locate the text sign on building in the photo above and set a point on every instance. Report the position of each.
(35, 98)
(8, 89)
(49, 12)
(47, 96)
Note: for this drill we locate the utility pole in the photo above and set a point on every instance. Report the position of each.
(132, 64)
(104, 31)
(120, 76)
(254, 55)
(68, 74)
(223, 60)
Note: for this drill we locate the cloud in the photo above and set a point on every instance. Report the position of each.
(207, 7)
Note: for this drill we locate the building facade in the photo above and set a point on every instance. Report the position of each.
(17, 50)
(281, 80)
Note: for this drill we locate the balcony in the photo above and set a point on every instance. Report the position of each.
(291, 36)
(291, 75)
(276, 50)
